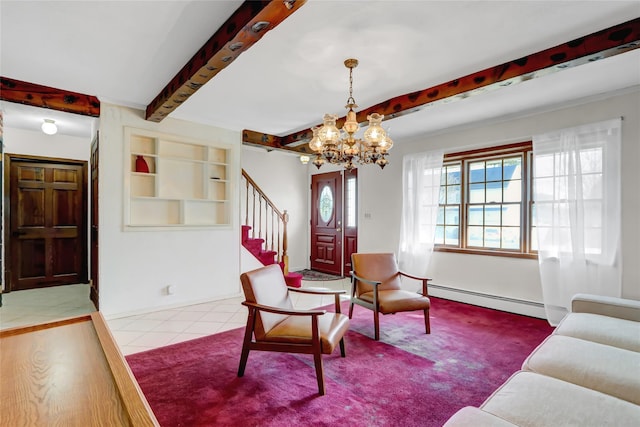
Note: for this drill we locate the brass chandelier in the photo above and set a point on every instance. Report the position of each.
(342, 147)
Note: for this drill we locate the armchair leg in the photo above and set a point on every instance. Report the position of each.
(342, 352)
(376, 324)
(243, 360)
(427, 323)
(317, 358)
(350, 310)
(246, 342)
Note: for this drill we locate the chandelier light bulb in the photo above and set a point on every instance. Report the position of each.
(315, 144)
(49, 127)
(374, 133)
(329, 133)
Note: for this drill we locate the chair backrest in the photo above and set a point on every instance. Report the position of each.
(380, 267)
(266, 285)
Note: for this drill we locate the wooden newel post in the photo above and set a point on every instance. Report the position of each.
(285, 257)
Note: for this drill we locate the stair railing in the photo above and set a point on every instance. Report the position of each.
(266, 220)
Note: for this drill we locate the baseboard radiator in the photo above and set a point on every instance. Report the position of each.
(514, 305)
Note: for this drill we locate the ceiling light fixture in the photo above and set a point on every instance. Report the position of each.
(341, 146)
(304, 159)
(49, 127)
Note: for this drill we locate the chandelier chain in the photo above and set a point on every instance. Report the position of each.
(350, 100)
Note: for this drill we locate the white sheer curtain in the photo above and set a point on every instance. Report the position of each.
(420, 197)
(577, 213)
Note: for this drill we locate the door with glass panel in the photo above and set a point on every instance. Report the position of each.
(326, 222)
(334, 226)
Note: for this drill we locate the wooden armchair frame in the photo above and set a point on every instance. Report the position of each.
(314, 346)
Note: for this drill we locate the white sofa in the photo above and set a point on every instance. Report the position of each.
(586, 373)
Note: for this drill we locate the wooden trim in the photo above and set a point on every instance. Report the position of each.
(601, 44)
(272, 142)
(115, 397)
(18, 330)
(485, 252)
(488, 151)
(138, 408)
(36, 95)
(241, 31)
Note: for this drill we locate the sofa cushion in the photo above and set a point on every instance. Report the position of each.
(601, 329)
(474, 417)
(530, 399)
(600, 367)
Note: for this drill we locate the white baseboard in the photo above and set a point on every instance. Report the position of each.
(511, 305)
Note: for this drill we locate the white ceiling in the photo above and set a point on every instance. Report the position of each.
(125, 52)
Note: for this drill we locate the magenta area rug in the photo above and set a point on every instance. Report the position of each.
(407, 378)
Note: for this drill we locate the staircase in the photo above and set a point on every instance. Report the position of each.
(264, 232)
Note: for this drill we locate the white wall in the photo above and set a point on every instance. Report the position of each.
(285, 181)
(380, 195)
(19, 141)
(136, 266)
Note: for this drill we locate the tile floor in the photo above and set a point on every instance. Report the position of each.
(146, 331)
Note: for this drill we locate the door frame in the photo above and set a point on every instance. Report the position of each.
(8, 159)
(94, 253)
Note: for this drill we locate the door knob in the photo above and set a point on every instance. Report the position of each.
(338, 229)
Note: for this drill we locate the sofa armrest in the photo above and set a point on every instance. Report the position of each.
(620, 308)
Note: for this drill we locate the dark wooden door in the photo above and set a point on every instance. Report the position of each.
(350, 244)
(326, 222)
(47, 229)
(94, 294)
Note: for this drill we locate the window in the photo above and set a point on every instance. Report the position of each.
(555, 180)
(448, 222)
(484, 201)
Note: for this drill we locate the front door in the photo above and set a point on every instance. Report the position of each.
(47, 222)
(326, 222)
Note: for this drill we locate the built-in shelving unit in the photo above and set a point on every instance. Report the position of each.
(187, 183)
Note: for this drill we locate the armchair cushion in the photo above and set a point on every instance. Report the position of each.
(394, 301)
(297, 330)
(272, 292)
(378, 267)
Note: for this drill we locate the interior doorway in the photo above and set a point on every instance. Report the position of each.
(93, 241)
(45, 222)
(334, 228)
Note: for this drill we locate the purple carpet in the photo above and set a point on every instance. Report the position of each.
(408, 378)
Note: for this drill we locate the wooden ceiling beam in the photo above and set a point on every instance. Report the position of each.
(20, 92)
(609, 42)
(271, 142)
(248, 24)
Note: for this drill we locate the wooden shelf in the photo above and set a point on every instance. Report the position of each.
(187, 182)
